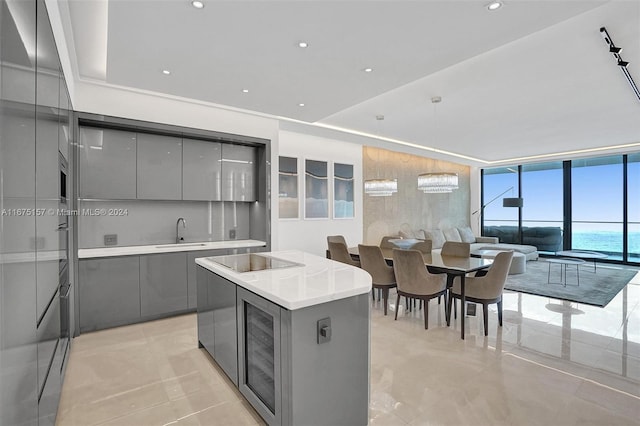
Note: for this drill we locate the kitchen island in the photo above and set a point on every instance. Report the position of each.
(292, 331)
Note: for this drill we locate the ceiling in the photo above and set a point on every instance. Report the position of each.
(533, 78)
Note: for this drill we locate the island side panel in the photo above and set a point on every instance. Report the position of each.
(327, 383)
(217, 320)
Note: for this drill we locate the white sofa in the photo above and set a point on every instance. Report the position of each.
(464, 234)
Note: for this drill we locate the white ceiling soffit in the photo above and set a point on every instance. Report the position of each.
(533, 77)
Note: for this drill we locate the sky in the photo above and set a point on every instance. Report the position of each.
(597, 193)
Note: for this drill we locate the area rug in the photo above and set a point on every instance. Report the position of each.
(597, 289)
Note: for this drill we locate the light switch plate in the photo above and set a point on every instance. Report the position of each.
(110, 239)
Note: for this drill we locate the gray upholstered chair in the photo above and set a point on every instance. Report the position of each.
(457, 249)
(372, 261)
(336, 239)
(340, 253)
(486, 289)
(384, 242)
(414, 281)
(423, 247)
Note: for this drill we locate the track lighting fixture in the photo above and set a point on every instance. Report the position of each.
(615, 51)
(622, 63)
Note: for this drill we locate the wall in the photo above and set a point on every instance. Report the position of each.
(311, 234)
(409, 207)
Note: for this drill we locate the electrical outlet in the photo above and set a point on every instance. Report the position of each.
(111, 239)
(232, 234)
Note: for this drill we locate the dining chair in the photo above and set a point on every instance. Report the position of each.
(457, 249)
(414, 281)
(339, 253)
(423, 247)
(383, 278)
(384, 242)
(485, 289)
(336, 239)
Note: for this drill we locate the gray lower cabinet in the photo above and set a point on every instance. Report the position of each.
(159, 173)
(109, 292)
(107, 164)
(217, 320)
(163, 283)
(191, 272)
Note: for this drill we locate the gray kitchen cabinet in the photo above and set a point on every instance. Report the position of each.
(107, 164)
(48, 338)
(65, 119)
(109, 292)
(201, 170)
(217, 320)
(159, 167)
(191, 272)
(238, 173)
(163, 283)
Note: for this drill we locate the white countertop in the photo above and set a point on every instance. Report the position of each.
(317, 281)
(167, 248)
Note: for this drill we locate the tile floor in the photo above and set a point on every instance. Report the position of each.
(552, 363)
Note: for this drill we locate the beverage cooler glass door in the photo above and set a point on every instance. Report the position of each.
(259, 355)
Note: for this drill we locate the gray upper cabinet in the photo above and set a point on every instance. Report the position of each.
(238, 173)
(107, 164)
(163, 283)
(201, 170)
(159, 167)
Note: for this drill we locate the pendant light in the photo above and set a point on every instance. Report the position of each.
(437, 182)
(380, 187)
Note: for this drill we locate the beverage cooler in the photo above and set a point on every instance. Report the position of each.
(259, 356)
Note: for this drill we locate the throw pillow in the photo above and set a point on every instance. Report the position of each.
(452, 234)
(466, 234)
(436, 236)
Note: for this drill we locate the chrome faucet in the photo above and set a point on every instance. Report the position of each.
(180, 239)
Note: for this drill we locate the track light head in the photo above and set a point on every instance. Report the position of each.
(622, 63)
(614, 49)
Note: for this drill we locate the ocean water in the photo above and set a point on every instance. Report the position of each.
(605, 241)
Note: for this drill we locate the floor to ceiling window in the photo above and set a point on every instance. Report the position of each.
(597, 205)
(633, 207)
(542, 213)
(499, 183)
(569, 205)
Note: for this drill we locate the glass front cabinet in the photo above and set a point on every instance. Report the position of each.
(259, 355)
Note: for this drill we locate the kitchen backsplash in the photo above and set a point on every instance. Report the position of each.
(139, 222)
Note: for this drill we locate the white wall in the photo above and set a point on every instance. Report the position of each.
(311, 235)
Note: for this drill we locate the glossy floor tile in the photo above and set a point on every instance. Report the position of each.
(552, 363)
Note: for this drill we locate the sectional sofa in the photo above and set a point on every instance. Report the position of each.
(545, 238)
(464, 234)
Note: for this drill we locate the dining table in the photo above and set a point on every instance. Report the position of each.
(453, 266)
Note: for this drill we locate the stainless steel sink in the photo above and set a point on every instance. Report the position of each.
(182, 245)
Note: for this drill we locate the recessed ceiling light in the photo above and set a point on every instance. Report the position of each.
(300, 104)
(303, 44)
(494, 5)
(166, 72)
(367, 69)
(245, 90)
(197, 4)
